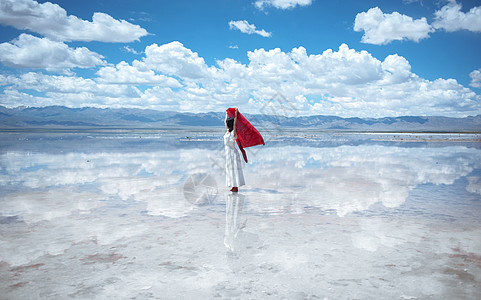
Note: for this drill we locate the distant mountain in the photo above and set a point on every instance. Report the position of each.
(59, 117)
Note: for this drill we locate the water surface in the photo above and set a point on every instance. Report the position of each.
(324, 215)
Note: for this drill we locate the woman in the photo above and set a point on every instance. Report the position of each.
(233, 167)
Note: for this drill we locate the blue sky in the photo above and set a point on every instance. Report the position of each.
(345, 58)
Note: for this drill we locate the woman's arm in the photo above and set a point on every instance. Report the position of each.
(235, 125)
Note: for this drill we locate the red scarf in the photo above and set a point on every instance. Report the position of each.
(247, 135)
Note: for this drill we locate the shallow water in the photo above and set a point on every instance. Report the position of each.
(324, 215)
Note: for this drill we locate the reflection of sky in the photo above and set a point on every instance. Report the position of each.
(352, 178)
(308, 217)
(342, 178)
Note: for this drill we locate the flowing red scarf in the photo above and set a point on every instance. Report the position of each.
(247, 135)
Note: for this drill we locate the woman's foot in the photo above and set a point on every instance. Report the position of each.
(234, 189)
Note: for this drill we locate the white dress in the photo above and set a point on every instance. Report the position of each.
(233, 167)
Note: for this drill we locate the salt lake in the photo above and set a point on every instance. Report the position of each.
(145, 214)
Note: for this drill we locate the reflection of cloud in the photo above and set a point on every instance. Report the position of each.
(49, 223)
(133, 186)
(474, 185)
(106, 231)
(149, 177)
(351, 189)
(375, 233)
(380, 234)
(168, 203)
(352, 178)
(22, 244)
(345, 178)
(32, 207)
(39, 170)
(133, 233)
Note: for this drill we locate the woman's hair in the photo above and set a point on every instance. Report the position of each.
(230, 124)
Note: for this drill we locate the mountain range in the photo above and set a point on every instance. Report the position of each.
(60, 117)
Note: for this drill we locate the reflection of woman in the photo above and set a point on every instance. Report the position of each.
(233, 167)
(233, 220)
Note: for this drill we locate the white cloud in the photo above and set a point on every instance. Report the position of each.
(174, 59)
(244, 27)
(396, 70)
(380, 28)
(52, 21)
(51, 83)
(137, 74)
(28, 51)
(342, 82)
(281, 4)
(131, 50)
(65, 90)
(451, 18)
(475, 78)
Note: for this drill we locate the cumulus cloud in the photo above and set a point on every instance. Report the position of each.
(52, 21)
(475, 78)
(342, 82)
(28, 51)
(65, 90)
(52, 83)
(451, 18)
(380, 28)
(175, 59)
(244, 27)
(138, 73)
(281, 4)
(347, 81)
